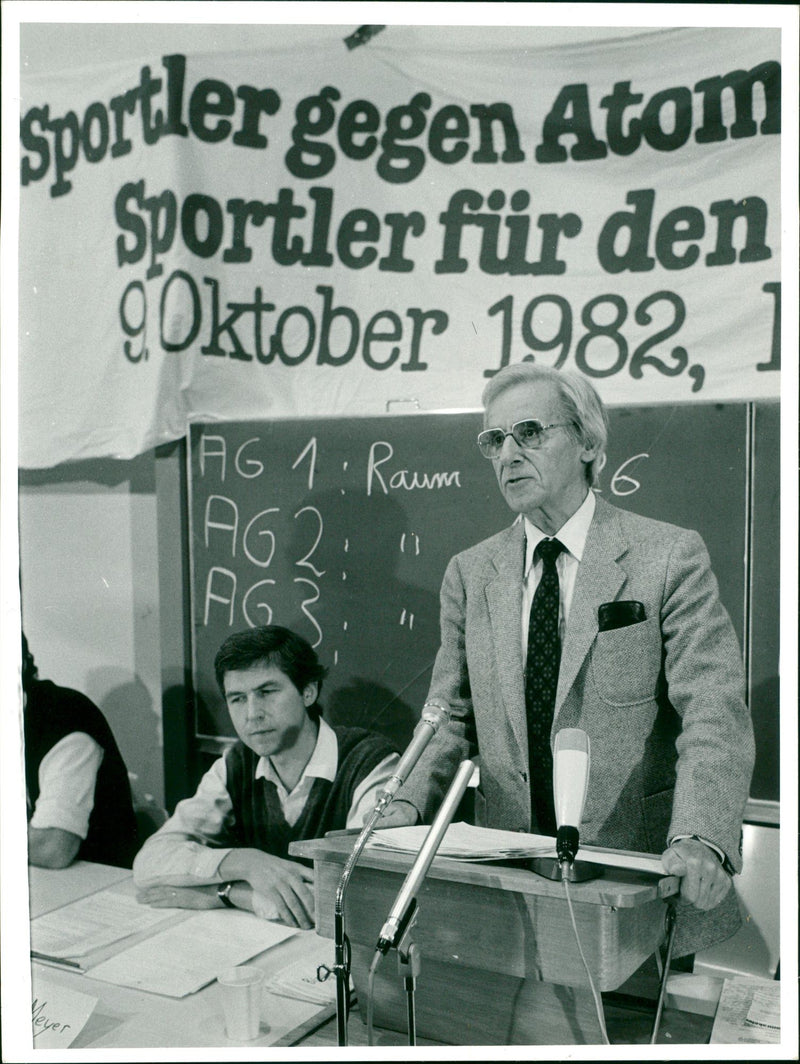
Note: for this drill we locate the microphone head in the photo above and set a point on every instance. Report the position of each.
(570, 783)
(566, 844)
(435, 714)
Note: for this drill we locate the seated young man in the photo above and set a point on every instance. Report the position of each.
(290, 776)
(79, 797)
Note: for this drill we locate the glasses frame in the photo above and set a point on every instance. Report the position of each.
(512, 432)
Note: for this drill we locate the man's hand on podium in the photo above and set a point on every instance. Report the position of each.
(399, 814)
(704, 882)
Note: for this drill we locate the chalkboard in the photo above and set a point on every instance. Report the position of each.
(342, 528)
(336, 538)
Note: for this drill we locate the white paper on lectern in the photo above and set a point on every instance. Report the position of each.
(466, 842)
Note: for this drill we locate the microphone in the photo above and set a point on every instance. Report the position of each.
(434, 715)
(570, 782)
(405, 903)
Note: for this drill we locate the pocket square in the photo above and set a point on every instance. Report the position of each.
(619, 614)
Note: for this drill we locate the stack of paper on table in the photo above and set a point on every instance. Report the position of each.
(465, 842)
(176, 959)
(310, 975)
(189, 955)
(71, 933)
(52, 888)
(749, 1011)
(300, 980)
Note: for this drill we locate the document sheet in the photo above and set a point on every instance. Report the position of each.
(86, 925)
(465, 842)
(749, 1011)
(58, 1014)
(310, 976)
(186, 956)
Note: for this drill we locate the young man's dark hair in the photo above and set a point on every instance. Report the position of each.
(276, 646)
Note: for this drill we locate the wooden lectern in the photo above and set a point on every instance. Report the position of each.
(499, 960)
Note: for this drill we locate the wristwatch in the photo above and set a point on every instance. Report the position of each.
(224, 895)
(718, 853)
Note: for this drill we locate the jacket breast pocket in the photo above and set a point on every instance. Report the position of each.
(625, 663)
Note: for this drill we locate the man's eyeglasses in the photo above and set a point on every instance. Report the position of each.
(528, 434)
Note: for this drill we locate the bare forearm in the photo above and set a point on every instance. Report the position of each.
(52, 847)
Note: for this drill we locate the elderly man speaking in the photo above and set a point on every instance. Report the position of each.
(586, 616)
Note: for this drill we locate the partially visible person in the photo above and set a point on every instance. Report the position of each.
(79, 796)
(290, 776)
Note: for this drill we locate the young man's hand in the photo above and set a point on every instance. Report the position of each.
(281, 889)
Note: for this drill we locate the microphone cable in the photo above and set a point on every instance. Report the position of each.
(598, 1003)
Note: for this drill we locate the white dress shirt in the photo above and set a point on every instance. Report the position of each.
(572, 535)
(184, 851)
(67, 777)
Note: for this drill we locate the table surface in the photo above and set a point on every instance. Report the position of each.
(127, 1018)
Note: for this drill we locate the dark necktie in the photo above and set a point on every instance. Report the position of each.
(541, 680)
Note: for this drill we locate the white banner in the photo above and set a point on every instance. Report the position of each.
(323, 231)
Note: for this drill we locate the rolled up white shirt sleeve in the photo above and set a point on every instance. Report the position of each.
(67, 777)
(186, 851)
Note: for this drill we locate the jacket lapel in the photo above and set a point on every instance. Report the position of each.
(599, 579)
(504, 598)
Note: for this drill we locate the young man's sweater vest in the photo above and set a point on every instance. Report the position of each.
(258, 820)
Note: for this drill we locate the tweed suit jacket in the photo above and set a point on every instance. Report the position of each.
(662, 701)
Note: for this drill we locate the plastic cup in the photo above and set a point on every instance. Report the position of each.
(242, 991)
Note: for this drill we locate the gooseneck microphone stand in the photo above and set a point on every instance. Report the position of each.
(434, 714)
(341, 964)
